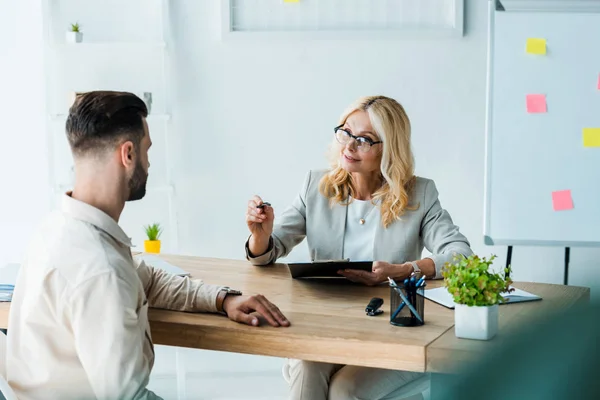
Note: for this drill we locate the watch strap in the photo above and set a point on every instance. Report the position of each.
(416, 267)
(222, 295)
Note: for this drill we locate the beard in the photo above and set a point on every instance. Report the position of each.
(137, 183)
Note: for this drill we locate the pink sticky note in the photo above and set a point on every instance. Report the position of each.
(562, 200)
(536, 103)
(598, 82)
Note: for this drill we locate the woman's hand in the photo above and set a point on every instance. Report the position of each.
(260, 224)
(379, 274)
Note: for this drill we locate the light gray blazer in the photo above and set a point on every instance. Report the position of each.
(311, 216)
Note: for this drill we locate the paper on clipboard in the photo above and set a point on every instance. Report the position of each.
(159, 263)
(441, 296)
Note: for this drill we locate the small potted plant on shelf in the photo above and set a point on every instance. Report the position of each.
(74, 34)
(477, 292)
(152, 245)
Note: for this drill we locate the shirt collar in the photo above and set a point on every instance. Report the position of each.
(87, 213)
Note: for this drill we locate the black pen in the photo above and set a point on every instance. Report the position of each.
(263, 205)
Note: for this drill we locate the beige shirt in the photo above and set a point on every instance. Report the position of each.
(78, 326)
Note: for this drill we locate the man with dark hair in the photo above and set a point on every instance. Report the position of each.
(78, 321)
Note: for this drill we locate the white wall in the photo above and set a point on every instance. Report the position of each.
(254, 117)
(24, 197)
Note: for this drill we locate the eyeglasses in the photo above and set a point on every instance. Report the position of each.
(344, 137)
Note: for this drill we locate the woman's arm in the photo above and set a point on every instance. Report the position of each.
(440, 236)
(287, 233)
(427, 267)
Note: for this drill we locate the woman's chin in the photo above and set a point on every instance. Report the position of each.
(349, 167)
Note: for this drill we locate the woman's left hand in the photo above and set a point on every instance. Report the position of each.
(380, 272)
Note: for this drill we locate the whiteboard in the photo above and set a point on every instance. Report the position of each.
(530, 156)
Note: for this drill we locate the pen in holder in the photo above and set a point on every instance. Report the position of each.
(407, 302)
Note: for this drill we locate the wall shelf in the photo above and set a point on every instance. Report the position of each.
(60, 189)
(117, 53)
(151, 117)
(95, 46)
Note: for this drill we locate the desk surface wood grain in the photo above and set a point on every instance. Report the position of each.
(328, 320)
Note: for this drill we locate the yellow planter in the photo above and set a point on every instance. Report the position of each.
(152, 246)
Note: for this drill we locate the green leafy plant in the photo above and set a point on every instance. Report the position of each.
(153, 231)
(75, 27)
(470, 282)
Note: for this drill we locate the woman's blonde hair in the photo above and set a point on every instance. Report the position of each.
(391, 124)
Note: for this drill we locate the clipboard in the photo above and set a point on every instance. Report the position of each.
(326, 269)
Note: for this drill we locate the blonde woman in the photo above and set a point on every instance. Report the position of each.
(368, 206)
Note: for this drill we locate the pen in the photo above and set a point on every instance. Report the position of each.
(413, 290)
(400, 307)
(408, 304)
(266, 203)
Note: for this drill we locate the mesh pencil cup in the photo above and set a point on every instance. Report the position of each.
(400, 313)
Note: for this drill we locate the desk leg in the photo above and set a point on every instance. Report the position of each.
(181, 374)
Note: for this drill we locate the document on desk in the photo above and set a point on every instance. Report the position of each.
(8, 278)
(159, 263)
(442, 297)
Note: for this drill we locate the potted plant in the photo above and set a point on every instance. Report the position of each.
(152, 245)
(477, 293)
(74, 34)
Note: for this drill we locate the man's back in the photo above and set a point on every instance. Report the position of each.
(71, 263)
(78, 325)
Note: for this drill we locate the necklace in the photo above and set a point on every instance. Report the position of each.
(363, 219)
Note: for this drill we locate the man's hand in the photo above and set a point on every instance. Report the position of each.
(240, 308)
(381, 270)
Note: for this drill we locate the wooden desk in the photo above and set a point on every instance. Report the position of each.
(448, 353)
(329, 322)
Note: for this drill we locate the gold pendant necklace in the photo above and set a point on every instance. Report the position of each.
(363, 219)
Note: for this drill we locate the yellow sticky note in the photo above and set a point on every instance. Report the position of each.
(291, 1)
(591, 137)
(536, 46)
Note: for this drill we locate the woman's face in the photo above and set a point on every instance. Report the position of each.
(353, 158)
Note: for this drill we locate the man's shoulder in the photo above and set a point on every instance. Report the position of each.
(75, 249)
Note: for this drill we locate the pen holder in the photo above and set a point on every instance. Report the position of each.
(400, 313)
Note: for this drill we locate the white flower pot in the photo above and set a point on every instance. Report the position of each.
(74, 37)
(471, 322)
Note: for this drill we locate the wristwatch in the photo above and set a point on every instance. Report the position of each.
(223, 293)
(416, 267)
